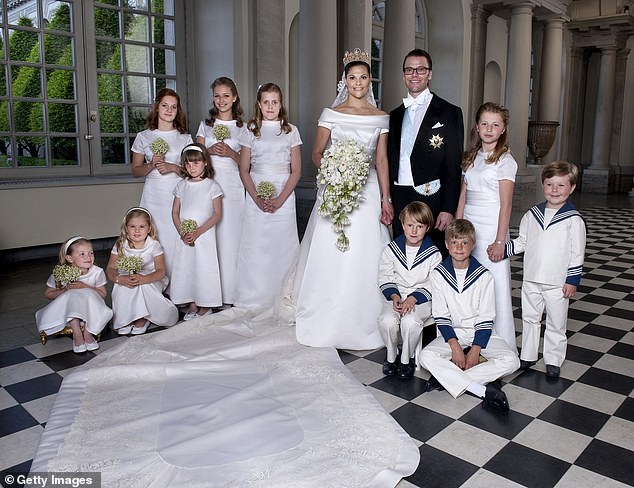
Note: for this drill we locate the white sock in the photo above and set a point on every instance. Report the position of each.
(477, 389)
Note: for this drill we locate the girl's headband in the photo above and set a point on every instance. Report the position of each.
(193, 148)
(70, 241)
(141, 209)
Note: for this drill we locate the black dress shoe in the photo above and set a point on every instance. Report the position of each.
(389, 369)
(552, 371)
(526, 364)
(433, 384)
(495, 398)
(407, 370)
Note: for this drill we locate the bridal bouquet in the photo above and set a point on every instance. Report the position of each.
(187, 226)
(159, 146)
(221, 132)
(266, 190)
(131, 264)
(65, 273)
(344, 170)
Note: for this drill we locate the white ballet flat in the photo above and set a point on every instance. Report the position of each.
(124, 330)
(92, 346)
(79, 349)
(190, 315)
(140, 330)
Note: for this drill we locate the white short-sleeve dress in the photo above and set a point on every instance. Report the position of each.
(196, 275)
(269, 241)
(158, 189)
(143, 301)
(482, 208)
(84, 304)
(229, 229)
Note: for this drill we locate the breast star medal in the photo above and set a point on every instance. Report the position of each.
(436, 141)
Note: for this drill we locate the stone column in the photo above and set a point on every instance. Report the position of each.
(601, 140)
(398, 39)
(550, 85)
(357, 25)
(518, 79)
(479, 16)
(317, 75)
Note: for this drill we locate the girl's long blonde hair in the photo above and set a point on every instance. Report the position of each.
(123, 236)
(502, 145)
(255, 124)
(66, 248)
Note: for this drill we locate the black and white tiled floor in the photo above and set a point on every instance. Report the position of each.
(577, 431)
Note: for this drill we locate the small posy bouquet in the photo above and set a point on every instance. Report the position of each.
(131, 264)
(221, 132)
(159, 146)
(65, 273)
(187, 226)
(344, 171)
(266, 190)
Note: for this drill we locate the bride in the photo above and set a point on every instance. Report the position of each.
(338, 299)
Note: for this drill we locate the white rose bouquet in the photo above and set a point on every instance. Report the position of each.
(65, 273)
(344, 171)
(266, 190)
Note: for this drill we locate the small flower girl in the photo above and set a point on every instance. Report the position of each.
(196, 210)
(137, 268)
(77, 289)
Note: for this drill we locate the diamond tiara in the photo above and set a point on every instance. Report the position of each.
(356, 55)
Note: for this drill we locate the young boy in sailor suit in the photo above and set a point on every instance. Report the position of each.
(553, 238)
(463, 306)
(404, 272)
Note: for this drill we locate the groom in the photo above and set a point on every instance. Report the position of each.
(425, 146)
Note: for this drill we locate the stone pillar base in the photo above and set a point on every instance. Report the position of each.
(597, 180)
(527, 189)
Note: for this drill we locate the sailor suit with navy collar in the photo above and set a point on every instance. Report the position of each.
(406, 277)
(553, 247)
(464, 309)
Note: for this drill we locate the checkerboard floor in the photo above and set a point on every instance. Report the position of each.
(575, 431)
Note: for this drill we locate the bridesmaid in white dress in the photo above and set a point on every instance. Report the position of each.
(270, 153)
(137, 298)
(167, 121)
(486, 199)
(78, 301)
(225, 157)
(338, 302)
(196, 274)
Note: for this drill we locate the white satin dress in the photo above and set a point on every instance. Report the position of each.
(269, 241)
(158, 189)
(229, 229)
(338, 300)
(482, 207)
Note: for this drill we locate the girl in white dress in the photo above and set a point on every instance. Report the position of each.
(137, 298)
(486, 198)
(165, 121)
(225, 156)
(270, 153)
(79, 302)
(338, 302)
(196, 276)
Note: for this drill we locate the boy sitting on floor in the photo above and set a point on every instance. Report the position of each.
(463, 306)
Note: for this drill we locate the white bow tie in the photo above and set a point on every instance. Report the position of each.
(413, 102)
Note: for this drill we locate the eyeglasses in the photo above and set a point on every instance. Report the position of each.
(421, 70)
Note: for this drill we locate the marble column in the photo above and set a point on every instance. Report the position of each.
(479, 16)
(518, 79)
(357, 22)
(398, 39)
(317, 74)
(550, 85)
(601, 139)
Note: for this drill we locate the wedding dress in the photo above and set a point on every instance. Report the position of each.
(228, 400)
